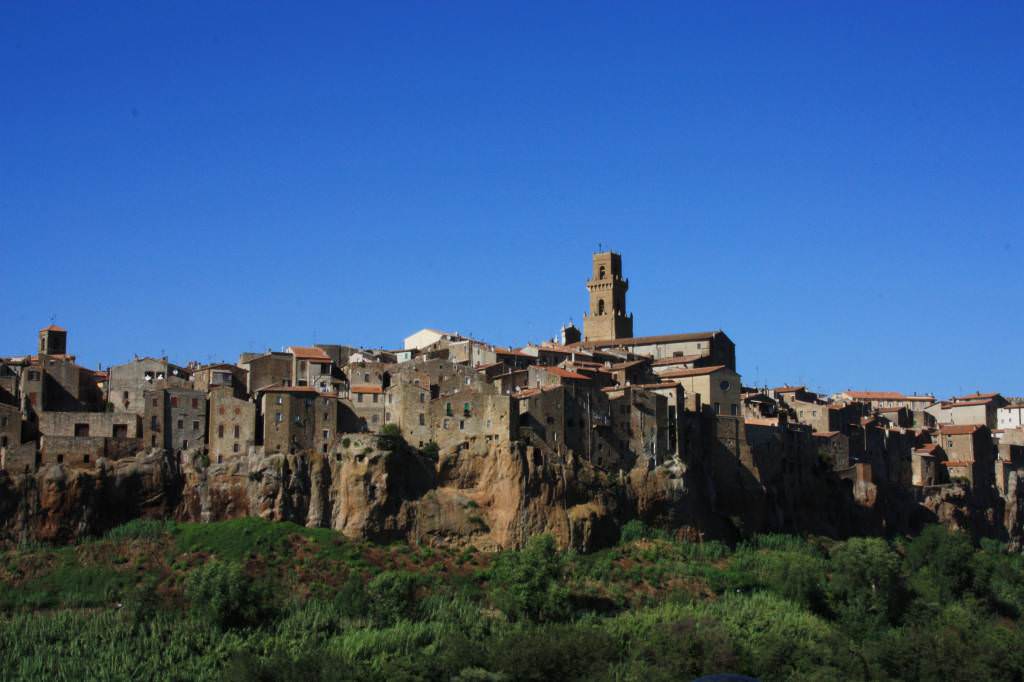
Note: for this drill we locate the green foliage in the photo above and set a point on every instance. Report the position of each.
(140, 529)
(941, 561)
(390, 438)
(194, 601)
(431, 451)
(223, 594)
(865, 589)
(392, 597)
(638, 530)
(525, 585)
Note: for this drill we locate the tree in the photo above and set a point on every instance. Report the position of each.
(526, 584)
(865, 586)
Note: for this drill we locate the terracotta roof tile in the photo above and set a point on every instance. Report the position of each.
(566, 374)
(366, 389)
(958, 429)
(306, 353)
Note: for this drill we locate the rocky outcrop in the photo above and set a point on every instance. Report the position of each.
(487, 494)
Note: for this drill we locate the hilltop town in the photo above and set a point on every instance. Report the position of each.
(450, 438)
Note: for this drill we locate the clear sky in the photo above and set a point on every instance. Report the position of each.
(839, 186)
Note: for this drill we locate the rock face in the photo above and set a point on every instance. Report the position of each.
(491, 495)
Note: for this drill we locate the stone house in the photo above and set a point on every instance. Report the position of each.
(118, 425)
(232, 428)
(718, 387)
(926, 465)
(1010, 416)
(833, 447)
(573, 418)
(540, 377)
(174, 417)
(471, 353)
(208, 378)
(313, 367)
(970, 452)
(266, 369)
(128, 382)
(298, 419)
(10, 426)
(980, 411)
(640, 422)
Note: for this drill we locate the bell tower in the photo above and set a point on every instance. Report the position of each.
(607, 318)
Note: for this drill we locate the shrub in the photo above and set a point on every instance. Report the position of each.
(141, 529)
(390, 438)
(865, 588)
(525, 585)
(224, 595)
(431, 451)
(942, 561)
(392, 596)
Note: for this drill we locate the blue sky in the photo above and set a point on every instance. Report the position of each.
(839, 186)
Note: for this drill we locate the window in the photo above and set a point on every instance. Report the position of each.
(278, 417)
(181, 423)
(422, 397)
(374, 397)
(601, 272)
(375, 419)
(220, 431)
(195, 403)
(174, 401)
(718, 408)
(600, 306)
(280, 400)
(220, 410)
(85, 459)
(359, 397)
(238, 431)
(298, 419)
(466, 409)
(327, 434)
(423, 419)
(448, 409)
(444, 424)
(195, 426)
(462, 425)
(81, 430)
(153, 424)
(238, 411)
(725, 385)
(234, 448)
(34, 376)
(366, 377)
(735, 409)
(3, 441)
(155, 400)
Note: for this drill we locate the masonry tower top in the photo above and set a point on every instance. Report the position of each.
(607, 318)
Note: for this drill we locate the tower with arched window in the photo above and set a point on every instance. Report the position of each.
(607, 317)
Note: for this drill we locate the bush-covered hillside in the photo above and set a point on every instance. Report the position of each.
(254, 600)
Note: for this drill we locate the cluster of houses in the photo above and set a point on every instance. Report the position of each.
(602, 394)
(912, 440)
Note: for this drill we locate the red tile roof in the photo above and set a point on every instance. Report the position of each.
(976, 396)
(789, 389)
(53, 328)
(958, 429)
(509, 351)
(696, 371)
(966, 403)
(367, 389)
(566, 374)
(876, 395)
(306, 353)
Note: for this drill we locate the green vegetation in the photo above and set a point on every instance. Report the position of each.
(256, 600)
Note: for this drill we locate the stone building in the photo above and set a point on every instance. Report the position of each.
(718, 388)
(208, 378)
(607, 317)
(926, 465)
(1010, 417)
(10, 426)
(174, 417)
(266, 369)
(640, 420)
(232, 428)
(314, 367)
(711, 348)
(970, 452)
(119, 425)
(571, 417)
(128, 382)
(833, 447)
(298, 419)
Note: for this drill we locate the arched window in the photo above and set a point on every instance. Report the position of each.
(600, 306)
(600, 272)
